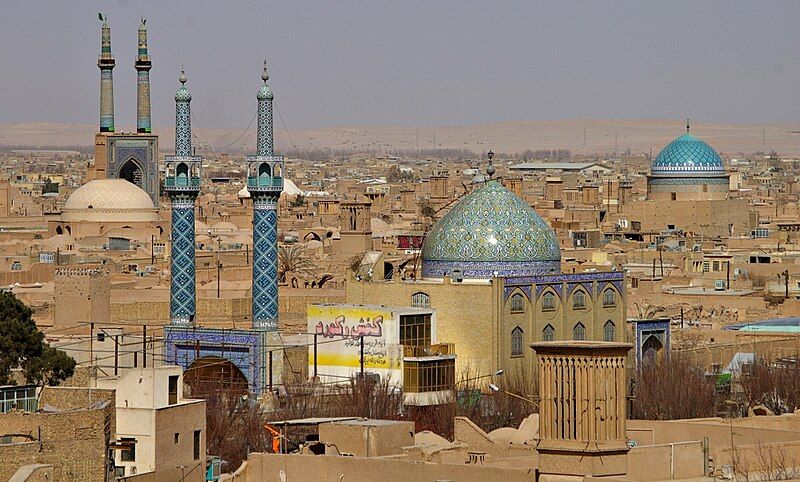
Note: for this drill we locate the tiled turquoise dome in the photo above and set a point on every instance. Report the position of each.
(687, 155)
(491, 231)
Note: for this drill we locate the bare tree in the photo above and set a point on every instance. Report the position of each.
(773, 385)
(673, 388)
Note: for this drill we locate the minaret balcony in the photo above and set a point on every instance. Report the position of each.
(182, 184)
(264, 184)
(182, 173)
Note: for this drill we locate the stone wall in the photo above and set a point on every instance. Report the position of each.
(74, 443)
(74, 398)
(260, 467)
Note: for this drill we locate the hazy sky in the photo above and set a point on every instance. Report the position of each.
(440, 62)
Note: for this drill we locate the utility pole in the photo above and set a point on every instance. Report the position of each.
(361, 339)
(728, 274)
(219, 264)
(152, 249)
(116, 355)
(91, 343)
(144, 345)
(315, 355)
(786, 282)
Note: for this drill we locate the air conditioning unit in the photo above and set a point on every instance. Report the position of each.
(457, 275)
(719, 285)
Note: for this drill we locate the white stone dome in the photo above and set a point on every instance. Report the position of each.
(110, 200)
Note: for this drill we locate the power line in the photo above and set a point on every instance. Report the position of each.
(294, 146)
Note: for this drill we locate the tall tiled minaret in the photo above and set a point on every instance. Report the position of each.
(106, 64)
(182, 184)
(143, 66)
(265, 183)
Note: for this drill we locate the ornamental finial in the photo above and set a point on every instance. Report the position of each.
(687, 125)
(490, 169)
(264, 74)
(182, 78)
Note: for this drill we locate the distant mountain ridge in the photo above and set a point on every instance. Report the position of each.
(581, 136)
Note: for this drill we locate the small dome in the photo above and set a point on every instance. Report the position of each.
(109, 200)
(490, 231)
(687, 155)
(264, 93)
(183, 95)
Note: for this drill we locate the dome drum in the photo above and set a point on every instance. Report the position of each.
(487, 269)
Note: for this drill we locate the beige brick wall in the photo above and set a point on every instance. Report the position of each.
(73, 442)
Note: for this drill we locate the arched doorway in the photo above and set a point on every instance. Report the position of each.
(213, 374)
(651, 349)
(131, 172)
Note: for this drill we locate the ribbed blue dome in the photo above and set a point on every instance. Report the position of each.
(491, 231)
(687, 155)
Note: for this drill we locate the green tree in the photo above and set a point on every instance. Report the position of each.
(22, 345)
(49, 369)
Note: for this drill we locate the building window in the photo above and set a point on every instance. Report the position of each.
(173, 389)
(579, 299)
(608, 331)
(196, 445)
(673, 196)
(579, 332)
(715, 266)
(516, 342)
(128, 453)
(415, 330)
(517, 303)
(429, 375)
(705, 266)
(420, 300)
(549, 333)
(177, 437)
(548, 301)
(609, 298)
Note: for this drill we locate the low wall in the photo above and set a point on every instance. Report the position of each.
(674, 461)
(260, 467)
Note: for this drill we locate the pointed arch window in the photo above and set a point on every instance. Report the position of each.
(609, 330)
(548, 301)
(420, 300)
(579, 299)
(609, 298)
(549, 333)
(579, 332)
(517, 303)
(516, 341)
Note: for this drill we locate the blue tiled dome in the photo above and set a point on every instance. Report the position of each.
(491, 231)
(687, 155)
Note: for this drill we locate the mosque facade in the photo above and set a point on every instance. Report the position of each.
(491, 268)
(688, 190)
(132, 156)
(688, 169)
(257, 351)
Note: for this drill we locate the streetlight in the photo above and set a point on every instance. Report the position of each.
(495, 374)
(494, 388)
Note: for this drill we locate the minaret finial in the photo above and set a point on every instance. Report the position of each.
(687, 124)
(264, 74)
(182, 77)
(490, 169)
